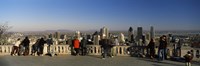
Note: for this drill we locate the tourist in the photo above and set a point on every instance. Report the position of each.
(16, 47)
(41, 47)
(178, 48)
(76, 46)
(162, 48)
(83, 46)
(25, 43)
(151, 46)
(35, 48)
(106, 47)
(188, 57)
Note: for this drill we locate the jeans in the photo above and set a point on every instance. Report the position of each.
(161, 54)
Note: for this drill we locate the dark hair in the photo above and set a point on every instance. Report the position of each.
(164, 36)
(18, 39)
(188, 52)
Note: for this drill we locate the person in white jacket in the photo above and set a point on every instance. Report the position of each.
(16, 47)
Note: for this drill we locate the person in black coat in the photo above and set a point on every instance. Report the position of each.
(25, 43)
(151, 46)
(162, 49)
(106, 45)
(83, 46)
(41, 46)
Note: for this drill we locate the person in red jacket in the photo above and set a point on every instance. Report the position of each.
(76, 43)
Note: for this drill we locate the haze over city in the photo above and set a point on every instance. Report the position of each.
(40, 15)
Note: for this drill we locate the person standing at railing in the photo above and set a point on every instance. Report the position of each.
(151, 46)
(16, 47)
(83, 46)
(76, 45)
(162, 48)
(105, 44)
(35, 47)
(188, 58)
(41, 47)
(25, 43)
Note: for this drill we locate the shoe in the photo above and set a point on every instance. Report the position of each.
(103, 58)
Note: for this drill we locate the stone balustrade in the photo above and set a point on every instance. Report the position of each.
(92, 50)
(5, 49)
(59, 49)
(117, 50)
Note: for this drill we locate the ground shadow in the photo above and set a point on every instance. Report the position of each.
(159, 62)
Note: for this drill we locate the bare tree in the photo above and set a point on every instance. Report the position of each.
(3, 28)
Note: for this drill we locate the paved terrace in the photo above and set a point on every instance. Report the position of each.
(68, 60)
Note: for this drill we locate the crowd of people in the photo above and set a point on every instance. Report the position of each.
(23, 47)
(79, 48)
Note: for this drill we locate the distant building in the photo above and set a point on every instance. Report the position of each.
(57, 35)
(139, 33)
(96, 39)
(50, 36)
(104, 33)
(152, 32)
(130, 35)
(63, 36)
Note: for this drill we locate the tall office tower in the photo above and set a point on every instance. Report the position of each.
(57, 35)
(130, 35)
(121, 38)
(96, 39)
(63, 36)
(139, 33)
(104, 33)
(152, 32)
(50, 35)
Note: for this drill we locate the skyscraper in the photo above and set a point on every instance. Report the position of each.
(152, 33)
(139, 33)
(104, 33)
(96, 39)
(57, 35)
(130, 35)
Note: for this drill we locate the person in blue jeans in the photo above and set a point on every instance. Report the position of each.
(162, 52)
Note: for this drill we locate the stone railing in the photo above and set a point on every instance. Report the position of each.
(92, 50)
(120, 50)
(5, 49)
(59, 49)
(117, 50)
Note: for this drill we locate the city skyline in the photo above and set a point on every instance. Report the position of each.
(41, 15)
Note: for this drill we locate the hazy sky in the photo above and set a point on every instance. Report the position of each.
(39, 15)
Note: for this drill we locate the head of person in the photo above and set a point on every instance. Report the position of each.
(163, 37)
(152, 40)
(42, 38)
(188, 52)
(18, 39)
(26, 37)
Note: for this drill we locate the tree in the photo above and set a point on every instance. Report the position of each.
(3, 28)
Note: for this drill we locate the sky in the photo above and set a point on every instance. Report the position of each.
(40, 15)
